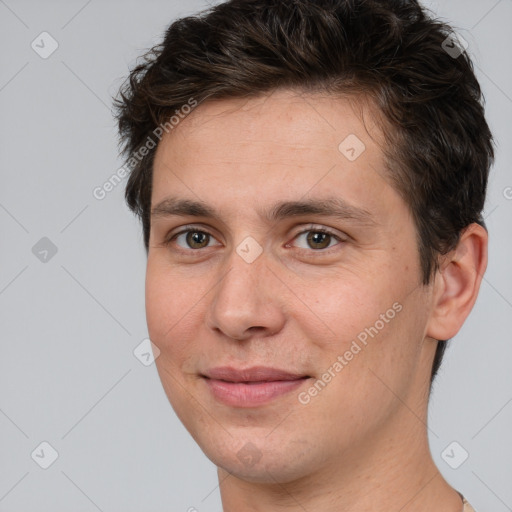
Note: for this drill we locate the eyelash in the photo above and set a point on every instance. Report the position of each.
(190, 229)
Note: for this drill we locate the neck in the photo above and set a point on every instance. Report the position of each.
(393, 471)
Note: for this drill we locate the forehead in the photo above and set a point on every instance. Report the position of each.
(286, 142)
(282, 118)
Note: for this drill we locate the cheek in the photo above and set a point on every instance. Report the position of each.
(370, 322)
(160, 304)
(171, 317)
(346, 303)
(383, 357)
(169, 307)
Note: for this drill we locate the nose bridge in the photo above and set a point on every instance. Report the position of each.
(243, 298)
(244, 277)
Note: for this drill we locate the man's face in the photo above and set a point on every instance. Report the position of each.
(257, 285)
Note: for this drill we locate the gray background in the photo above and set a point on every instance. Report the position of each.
(69, 325)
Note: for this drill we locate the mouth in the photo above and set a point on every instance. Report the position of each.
(251, 387)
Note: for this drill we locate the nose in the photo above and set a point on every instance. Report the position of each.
(245, 303)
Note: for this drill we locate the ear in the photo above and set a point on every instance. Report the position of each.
(457, 283)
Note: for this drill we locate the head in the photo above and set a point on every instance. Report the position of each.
(256, 103)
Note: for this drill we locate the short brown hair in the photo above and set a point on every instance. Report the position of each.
(439, 147)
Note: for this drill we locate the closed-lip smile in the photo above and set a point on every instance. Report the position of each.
(251, 387)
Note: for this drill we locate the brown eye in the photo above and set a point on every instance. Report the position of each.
(191, 239)
(197, 239)
(317, 239)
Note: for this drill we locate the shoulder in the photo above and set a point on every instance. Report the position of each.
(467, 507)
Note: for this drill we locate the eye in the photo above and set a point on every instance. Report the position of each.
(191, 239)
(317, 239)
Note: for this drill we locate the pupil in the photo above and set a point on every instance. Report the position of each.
(197, 238)
(317, 238)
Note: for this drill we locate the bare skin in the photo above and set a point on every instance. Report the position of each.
(360, 442)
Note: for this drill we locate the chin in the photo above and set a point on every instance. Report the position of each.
(261, 461)
(263, 472)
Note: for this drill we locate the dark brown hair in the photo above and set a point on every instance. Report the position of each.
(438, 145)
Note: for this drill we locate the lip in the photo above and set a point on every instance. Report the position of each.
(253, 374)
(251, 387)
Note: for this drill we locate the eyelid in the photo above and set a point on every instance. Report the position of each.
(321, 228)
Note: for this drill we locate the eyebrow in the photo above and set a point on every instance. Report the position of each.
(328, 207)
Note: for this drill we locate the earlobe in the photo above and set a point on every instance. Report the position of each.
(457, 283)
